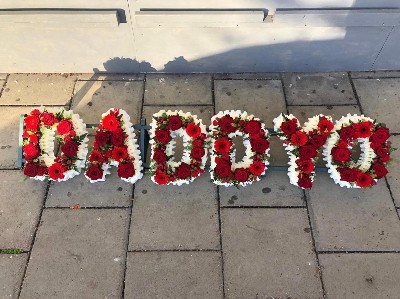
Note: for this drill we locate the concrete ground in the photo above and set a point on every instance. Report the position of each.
(268, 240)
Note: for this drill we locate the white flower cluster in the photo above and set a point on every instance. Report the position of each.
(133, 149)
(170, 147)
(249, 153)
(367, 153)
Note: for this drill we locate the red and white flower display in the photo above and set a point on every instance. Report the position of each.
(41, 128)
(224, 127)
(375, 151)
(303, 145)
(165, 127)
(115, 145)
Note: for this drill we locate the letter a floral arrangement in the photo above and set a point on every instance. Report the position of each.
(115, 144)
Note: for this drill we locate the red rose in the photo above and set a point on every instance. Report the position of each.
(289, 127)
(193, 130)
(56, 171)
(252, 127)
(197, 153)
(94, 172)
(226, 124)
(70, 148)
(379, 170)
(35, 112)
(223, 170)
(31, 169)
(307, 152)
(259, 145)
(382, 151)
(241, 175)
(119, 153)
(161, 178)
(349, 174)
(222, 145)
(111, 123)
(299, 138)
(363, 129)
(126, 170)
(364, 180)
(257, 168)
(163, 136)
(48, 118)
(380, 135)
(31, 151)
(306, 166)
(183, 171)
(197, 143)
(159, 156)
(325, 125)
(33, 139)
(341, 154)
(42, 170)
(102, 138)
(318, 141)
(174, 122)
(384, 159)
(96, 156)
(347, 133)
(32, 123)
(64, 127)
(304, 182)
(118, 138)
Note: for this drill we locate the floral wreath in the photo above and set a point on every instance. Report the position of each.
(41, 128)
(375, 151)
(303, 145)
(227, 125)
(115, 144)
(165, 126)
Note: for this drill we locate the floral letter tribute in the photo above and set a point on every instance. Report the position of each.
(303, 145)
(375, 151)
(115, 144)
(226, 125)
(166, 126)
(40, 130)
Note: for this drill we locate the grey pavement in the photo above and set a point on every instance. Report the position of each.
(268, 240)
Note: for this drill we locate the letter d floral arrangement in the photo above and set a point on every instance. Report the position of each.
(116, 145)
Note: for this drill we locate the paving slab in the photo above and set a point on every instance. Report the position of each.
(247, 76)
(363, 276)
(9, 129)
(173, 275)
(78, 254)
(12, 268)
(379, 99)
(393, 176)
(268, 253)
(110, 77)
(114, 192)
(93, 98)
(375, 74)
(172, 217)
(274, 189)
(3, 76)
(162, 89)
(38, 89)
(263, 98)
(318, 89)
(353, 219)
(21, 201)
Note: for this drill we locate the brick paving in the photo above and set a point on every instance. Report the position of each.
(268, 240)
